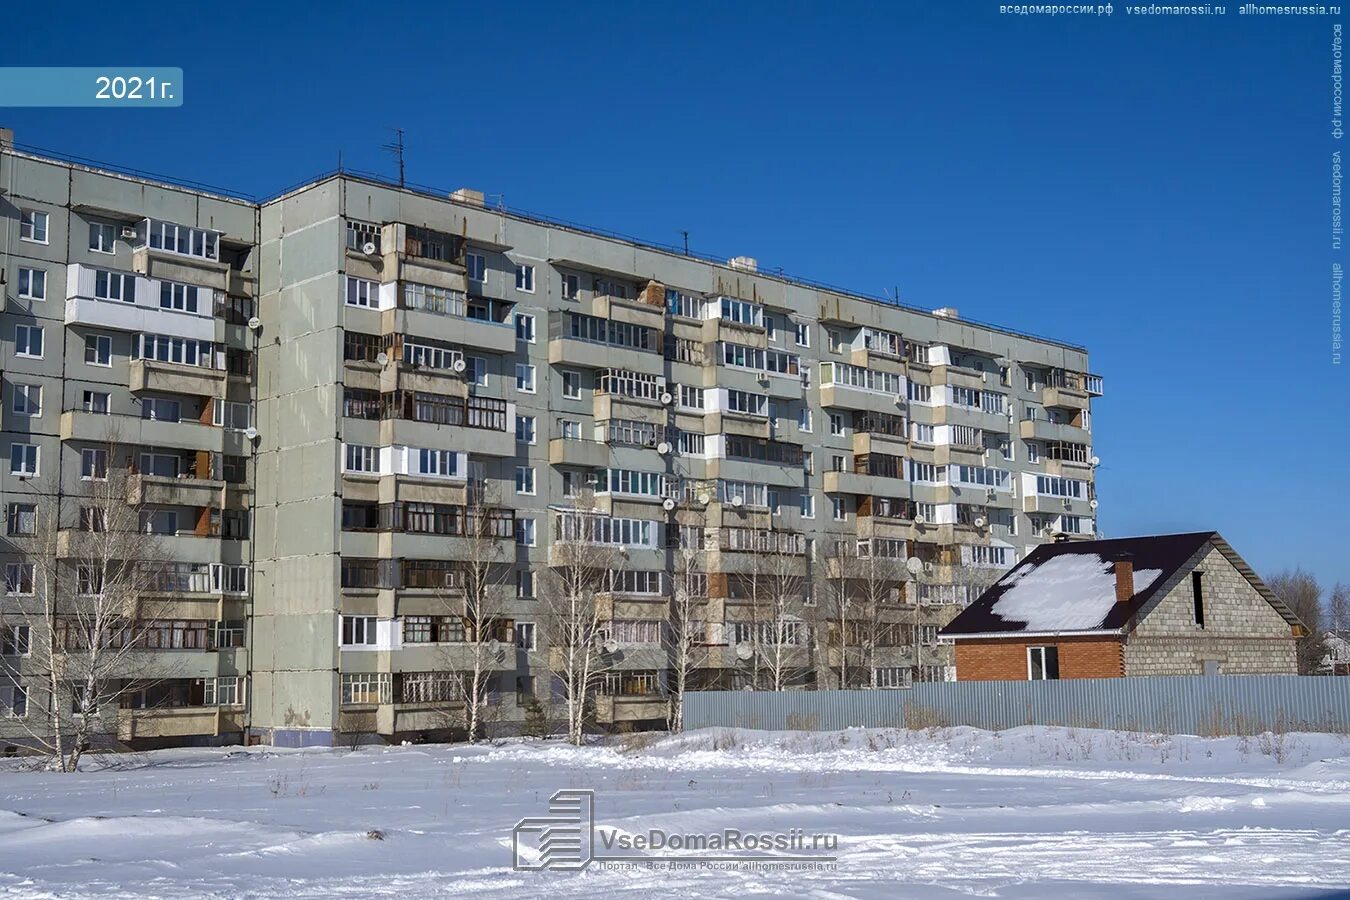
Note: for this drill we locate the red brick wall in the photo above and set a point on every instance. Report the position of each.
(1006, 660)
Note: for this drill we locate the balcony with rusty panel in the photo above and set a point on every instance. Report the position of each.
(874, 474)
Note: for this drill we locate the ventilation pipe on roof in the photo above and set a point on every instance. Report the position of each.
(1124, 569)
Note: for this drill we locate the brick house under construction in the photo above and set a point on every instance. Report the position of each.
(1179, 604)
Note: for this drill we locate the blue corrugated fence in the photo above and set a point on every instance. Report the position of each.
(1232, 704)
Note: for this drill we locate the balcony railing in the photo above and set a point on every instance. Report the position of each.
(1074, 381)
(880, 423)
(879, 464)
(486, 413)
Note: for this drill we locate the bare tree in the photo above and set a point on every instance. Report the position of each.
(779, 589)
(581, 568)
(1338, 609)
(482, 576)
(686, 633)
(88, 608)
(1301, 593)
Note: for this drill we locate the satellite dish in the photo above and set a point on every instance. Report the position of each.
(914, 565)
(1096, 460)
(979, 522)
(459, 366)
(703, 499)
(744, 651)
(251, 433)
(737, 502)
(369, 248)
(254, 323)
(668, 504)
(667, 398)
(382, 358)
(1092, 504)
(919, 519)
(663, 448)
(611, 645)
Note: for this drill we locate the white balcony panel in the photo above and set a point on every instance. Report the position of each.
(142, 315)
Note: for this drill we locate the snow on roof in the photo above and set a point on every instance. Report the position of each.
(1064, 593)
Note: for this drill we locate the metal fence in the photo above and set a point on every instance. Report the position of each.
(1235, 704)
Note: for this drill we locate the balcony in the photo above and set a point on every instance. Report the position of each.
(160, 490)
(78, 425)
(141, 314)
(1041, 430)
(175, 378)
(586, 454)
(186, 721)
(472, 334)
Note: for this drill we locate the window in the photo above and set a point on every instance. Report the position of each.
(525, 328)
(22, 518)
(524, 584)
(892, 677)
(525, 480)
(923, 434)
(232, 415)
(475, 264)
(23, 460)
(19, 578)
(88, 581)
(1033, 452)
(366, 688)
(525, 532)
(183, 351)
(436, 300)
(33, 284)
(33, 226)
(222, 691)
(475, 371)
(229, 579)
(102, 237)
(747, 402)
(836, 424)
(28, 400)
(98, 350)
(360, 458)
(161, 409)
(571, 385)
(805, 421)
(525, 636)
(437, 463)
(13, 700)
(803, 333)
(808, 506)
(571, 287)
(525, 429)
(358, 631)
(159, 521)
(525, 378)
(569, 429)
(28, 341)
(839, 512)
(1198, 597)
(920, 393)
(691, 397)
(1042, 663)
(182, 239)
(525, 278)
(181, 297)
(361, 292)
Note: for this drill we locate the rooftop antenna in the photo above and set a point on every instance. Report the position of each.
(686, 242)
(396, 147)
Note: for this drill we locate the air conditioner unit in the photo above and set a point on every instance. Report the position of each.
(128, 232)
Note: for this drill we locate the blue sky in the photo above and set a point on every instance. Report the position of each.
(1155, 188)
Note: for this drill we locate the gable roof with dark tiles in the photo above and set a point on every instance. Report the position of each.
(1070, 586)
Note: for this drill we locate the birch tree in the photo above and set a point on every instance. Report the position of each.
(483, 573)
(686, 635)
(87, 605)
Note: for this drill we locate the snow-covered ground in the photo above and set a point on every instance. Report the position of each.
(1032, 812)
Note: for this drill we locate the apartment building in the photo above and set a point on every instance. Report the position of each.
(386, 380)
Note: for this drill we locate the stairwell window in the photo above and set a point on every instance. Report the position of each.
(525, 328)
(525, 378)
(525, 278)
(28, 400)
(1043, 663)
(571, 385)
(525, 480)
(93, 464)
(97, 402)
(475, 265)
